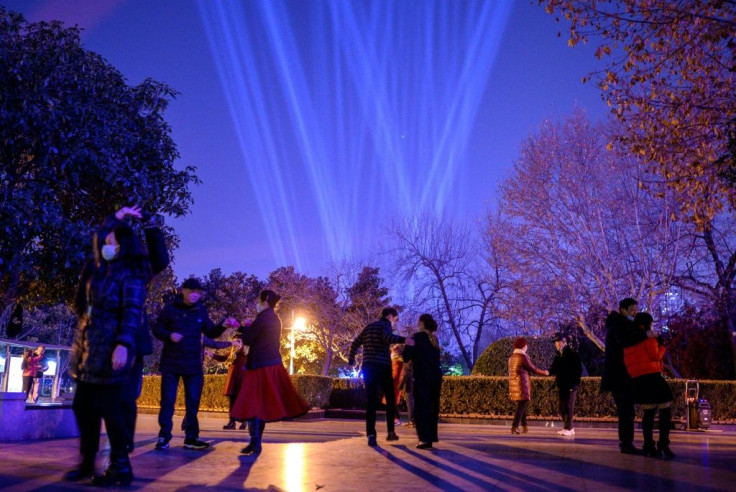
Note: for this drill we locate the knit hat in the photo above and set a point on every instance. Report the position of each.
(191, 284)
(520, 343)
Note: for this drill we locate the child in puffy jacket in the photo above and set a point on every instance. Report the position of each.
(644, 364)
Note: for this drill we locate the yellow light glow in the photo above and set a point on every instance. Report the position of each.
(300, 323)
(294, 467)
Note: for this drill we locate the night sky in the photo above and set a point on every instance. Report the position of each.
(312, 123)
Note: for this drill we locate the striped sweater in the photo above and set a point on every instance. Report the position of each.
(375, 339)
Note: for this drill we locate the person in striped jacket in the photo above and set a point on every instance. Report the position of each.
(376, 338)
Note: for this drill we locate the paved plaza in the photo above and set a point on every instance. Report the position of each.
(332, 455)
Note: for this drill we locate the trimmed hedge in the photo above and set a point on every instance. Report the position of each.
(315, 390)
(463, 395)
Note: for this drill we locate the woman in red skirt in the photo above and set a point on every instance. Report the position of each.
(266, 392)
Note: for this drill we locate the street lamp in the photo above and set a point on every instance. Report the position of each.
(298, 324)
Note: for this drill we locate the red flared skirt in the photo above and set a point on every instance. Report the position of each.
(267, 393)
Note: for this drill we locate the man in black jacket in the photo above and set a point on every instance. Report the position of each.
(376, 339)
(621, 333)
(567, 369)
(180, 326)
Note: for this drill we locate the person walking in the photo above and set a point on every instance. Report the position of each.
(375, 340)
(422, 350)
(644, 364)
(567, 369)
(621, 333)
(266, 392)
(180, 326)
(520, 385)
(103, 351)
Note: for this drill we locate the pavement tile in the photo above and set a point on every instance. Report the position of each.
(332, 455)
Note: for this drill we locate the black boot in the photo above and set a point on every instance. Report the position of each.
(85, 469)
(229, 425)
(118, 473)
(255, 428)
(665, 423)
(647, 428)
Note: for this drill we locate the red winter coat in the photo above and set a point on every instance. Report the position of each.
(644, 358)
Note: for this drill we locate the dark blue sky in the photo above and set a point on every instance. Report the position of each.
(312, 123)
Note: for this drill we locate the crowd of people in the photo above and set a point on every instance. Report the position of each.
(113, 336)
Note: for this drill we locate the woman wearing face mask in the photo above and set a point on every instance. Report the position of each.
(103, 349)
(266, 393)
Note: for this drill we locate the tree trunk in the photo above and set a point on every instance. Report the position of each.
(328, 362)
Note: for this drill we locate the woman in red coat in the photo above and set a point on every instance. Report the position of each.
(644, 364)
(520, 385)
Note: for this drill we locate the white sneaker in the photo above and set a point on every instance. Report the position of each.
(567, 432)
(561, 432)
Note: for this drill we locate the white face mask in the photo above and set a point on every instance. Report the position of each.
(109, 252)
(194, 297)
(630, 318)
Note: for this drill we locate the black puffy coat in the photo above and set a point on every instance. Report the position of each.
(566, 368)
(620, 333)
(113, 316)
(191, 321)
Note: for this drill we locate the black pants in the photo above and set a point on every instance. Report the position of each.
(27, 385)
(92, 404)
(376, 377)
(567, 405)
(129, 394)
(192, 393)
(665, 423)
(427, 409)
(520, 415)
(625, 410)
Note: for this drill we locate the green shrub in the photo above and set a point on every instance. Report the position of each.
(494, 361)
(314, 389)
(463, 395)
(347, 393)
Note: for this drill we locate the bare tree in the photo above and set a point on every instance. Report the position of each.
(582, 229)
(442, 261)
(709, 268)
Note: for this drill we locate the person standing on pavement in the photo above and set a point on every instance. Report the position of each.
(520, 384)
(157, 255)
(266, 392)
(567, 369)
(406, 388)
(375, 340)
(180, 326)
(621, 333)
(422, 350)
(651, 391)
(236, 365)
(103, 351)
